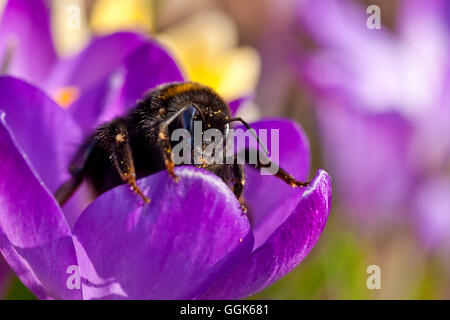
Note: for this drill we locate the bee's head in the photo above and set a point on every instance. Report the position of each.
(198, 116)
(195, 106)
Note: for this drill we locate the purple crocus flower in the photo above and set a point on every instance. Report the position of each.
(383, 109)
(191, 242)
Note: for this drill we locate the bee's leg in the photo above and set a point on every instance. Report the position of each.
(239, 177)
(76, 169)
(281, 173)
(239, 183)
(114, 139)
(67, 189)
(164, 142)
(163, 138)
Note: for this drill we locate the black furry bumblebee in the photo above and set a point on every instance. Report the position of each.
(137, 145)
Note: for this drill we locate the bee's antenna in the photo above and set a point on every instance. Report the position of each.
(252, 131)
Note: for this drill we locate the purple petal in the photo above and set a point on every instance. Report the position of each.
(95, 63)
(34, 236)
(173, 248)
(45, 132)
(279, 198)
(25, 33)
(285, 248)
(86, 109)
(148, 66)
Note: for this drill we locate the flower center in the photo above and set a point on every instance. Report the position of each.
(65, 96)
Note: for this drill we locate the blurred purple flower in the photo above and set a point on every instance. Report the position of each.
(383, 109)
(25, 40)
(192, 241)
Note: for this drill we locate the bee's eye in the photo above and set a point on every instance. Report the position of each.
(188, 118)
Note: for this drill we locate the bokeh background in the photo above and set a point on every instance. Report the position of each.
(374, 104)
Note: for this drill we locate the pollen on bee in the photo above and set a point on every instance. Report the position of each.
(240, 240)
(120, 138)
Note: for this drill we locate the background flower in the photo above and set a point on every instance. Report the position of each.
(383, 109)
(212, 56)
(112, 15)
(67, 35)
(25, 38)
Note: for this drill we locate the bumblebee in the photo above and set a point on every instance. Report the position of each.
(137, 145)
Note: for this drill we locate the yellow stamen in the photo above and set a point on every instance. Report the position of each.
(66, 96)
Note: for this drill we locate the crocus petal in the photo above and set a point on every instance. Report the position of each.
(280, 199)
(25, 34)
(45, 132)
(34, 237)
(285, 248)
(87, 108)
(149, 66)
(145, 68)
(173, 248)
(95, 63)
